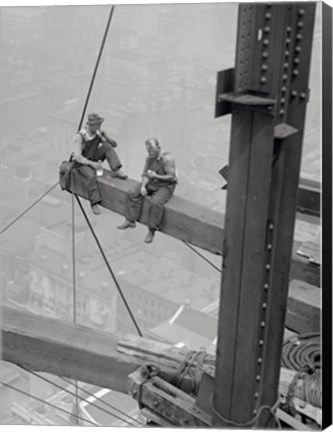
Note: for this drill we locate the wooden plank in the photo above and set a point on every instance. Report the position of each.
(304, 308)
(308, 198)
(292, 421)
(190, 222)
(64, 349)
(311, 251)
(77, 352)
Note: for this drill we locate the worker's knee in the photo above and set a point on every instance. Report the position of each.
(134, 192)
(87, 172)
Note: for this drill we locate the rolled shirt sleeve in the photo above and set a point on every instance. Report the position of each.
(145, 168)
(169, 166)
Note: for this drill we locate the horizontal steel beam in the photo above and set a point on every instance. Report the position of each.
(190, 222)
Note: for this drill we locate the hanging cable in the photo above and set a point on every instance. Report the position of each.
(28, 208)
(74, 288)
(73, 394)
(202, 256)
(96, 66)
(109, 267)
(45, 402)
(80, 122)
(271, 409)
(106, 404)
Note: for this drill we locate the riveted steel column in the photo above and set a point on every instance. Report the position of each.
(261, 206)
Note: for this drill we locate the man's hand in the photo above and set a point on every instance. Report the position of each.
(143, 191)
(151, 174)
(95, 165)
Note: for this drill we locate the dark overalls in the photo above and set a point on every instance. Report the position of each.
(158, 192)
(94, 150)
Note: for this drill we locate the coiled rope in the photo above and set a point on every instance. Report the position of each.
(302, 353)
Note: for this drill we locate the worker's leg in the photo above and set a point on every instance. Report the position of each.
(87, 176)
(134, 202)
(113, 160)
(157, 200)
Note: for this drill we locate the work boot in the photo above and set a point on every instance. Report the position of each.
(120, 174)
(127, 224)
(150, 236)
(96, 210)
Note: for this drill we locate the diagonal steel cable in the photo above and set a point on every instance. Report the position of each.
(44, 402)
(73, 394)
(109, 267)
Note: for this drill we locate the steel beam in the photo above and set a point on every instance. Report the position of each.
(273, 60)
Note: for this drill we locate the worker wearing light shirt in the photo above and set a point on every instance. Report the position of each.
(159, 180)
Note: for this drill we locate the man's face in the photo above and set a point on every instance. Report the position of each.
(95, 127)
(153, 149)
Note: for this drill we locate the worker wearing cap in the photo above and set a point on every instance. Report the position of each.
(91, 147)
(159, 179)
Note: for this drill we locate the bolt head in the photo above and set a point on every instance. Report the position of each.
(288, 29)
(269, 247)
(284, 77)
(259, 360)
(268, 16)
(286, 53)
(296, 60)
(299, 37)
(286, 65)
(300, 24)
(264, 67)
(268, 266)
(288, 41)
(295, 72)
(267, 29)
(263, 80)
(302, 95)
(264, 54)
(266, 286)
(294, 93)
(264, 305)
(262, 324)
(282, 101)
(298, 49)
(258, 378)
(265, 42)
(283, 89)
(301, 12)
(255, 412)
(256, 395)
(282, 111)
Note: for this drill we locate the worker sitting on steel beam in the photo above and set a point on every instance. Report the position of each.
(159, 179)
(91, 147)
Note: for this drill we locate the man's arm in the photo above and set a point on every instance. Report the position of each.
(106, 138)
(169, 165)
(144, 177)
(77, 153)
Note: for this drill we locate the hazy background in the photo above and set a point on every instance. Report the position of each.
(157, 78)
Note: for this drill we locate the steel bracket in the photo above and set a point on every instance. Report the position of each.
(283, 131)
(251, 101)
(164, 403)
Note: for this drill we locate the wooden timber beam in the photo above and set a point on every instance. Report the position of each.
(64, 349)
(189, 222)
(76, 352)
